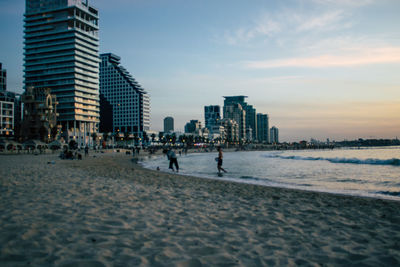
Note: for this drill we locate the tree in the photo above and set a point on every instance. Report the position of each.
(161, 137)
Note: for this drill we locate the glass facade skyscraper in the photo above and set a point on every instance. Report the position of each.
(212, 116)
(168, 124)
(61, 53)
(263, 128)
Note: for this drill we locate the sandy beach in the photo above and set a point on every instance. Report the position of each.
(107, 211)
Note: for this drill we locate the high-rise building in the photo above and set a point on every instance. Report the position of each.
(251, 122)
(231, 128)
(61, 53)
(263, 128)
(212, 115)
(168, 124)
(234, 111)
(251, 115)
(130, 102)
(274, 135)
(194, 126)
(3, 79)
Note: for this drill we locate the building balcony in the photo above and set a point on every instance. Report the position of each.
(54, 32)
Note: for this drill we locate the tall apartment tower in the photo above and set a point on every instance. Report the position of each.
(3, 79)
(274, 135)
(130, 102)
(168, 124)
(263, 128)
(251, 121)
(251, 115)
(234, 111)
(61, 53)
(212, 115)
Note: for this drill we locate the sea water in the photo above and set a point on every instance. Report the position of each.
(368, 172)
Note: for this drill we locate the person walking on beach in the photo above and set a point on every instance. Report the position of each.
(86, 150)
(172, 160)
(219, 165)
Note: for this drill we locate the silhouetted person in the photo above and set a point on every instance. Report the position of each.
(220, 156)
(172, 160)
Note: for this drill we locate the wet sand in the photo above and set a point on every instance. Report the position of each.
(108, 211)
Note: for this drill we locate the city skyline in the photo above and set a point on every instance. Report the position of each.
(320, 68)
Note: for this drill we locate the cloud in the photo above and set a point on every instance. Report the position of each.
(325, 21)
(343, 3)
(288, 23)
(264, 27)
(355, 58)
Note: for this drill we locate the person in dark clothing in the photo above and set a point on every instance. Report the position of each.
(172, 160)
(220, 156)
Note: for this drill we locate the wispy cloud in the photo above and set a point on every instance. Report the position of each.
(264, 27)
(288, 23)
(342, 3)
(362, 57)
(326, 21)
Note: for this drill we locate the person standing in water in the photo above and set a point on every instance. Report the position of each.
(172, 160)
(220, 156)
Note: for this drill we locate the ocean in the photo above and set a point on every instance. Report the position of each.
(367, 172)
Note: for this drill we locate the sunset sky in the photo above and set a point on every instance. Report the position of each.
(320, 68)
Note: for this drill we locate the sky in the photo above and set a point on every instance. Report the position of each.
(319, 68)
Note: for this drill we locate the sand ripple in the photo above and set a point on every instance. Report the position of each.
(105, 211)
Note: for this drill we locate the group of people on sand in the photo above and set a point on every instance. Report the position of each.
(173, 160)
(73, 154)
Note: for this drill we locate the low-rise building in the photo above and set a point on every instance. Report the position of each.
(40, 115)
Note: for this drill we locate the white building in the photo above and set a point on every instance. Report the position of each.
(234, 111)
(129, 102)
(6, 118)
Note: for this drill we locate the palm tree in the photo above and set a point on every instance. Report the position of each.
(160, 137)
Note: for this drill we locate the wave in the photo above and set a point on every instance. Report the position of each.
(393, 161)
(396, 194)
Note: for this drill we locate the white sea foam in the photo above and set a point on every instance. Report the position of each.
(362, 172)
(370, 161)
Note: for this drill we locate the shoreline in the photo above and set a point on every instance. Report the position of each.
(143, 158)
(106, 211)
